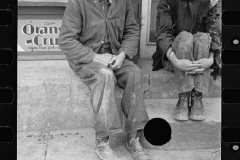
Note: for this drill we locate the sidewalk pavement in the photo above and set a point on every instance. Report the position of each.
(54, 110)
(185, 135)
(79, 145)
(190, 140)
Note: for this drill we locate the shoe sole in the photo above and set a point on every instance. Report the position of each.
(193, 119)
(126, 146)
(128, 149)
(186, 119)
(102, 158)
(196, 119)
(181, 119)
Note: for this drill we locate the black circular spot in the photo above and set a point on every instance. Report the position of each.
(157, 131)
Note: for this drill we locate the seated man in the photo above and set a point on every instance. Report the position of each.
(99, 37)
(188, 37)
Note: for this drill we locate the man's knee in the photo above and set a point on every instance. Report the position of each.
(203, 39)
(183, 45)
(202, 42)
(202, 36)
(106, 73)
(185, 37)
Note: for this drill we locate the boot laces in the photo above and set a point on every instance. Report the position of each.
(197, 102)
(139, 152)
(182, 101)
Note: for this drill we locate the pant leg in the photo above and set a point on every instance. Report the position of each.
(129, 77)
(202, 43)
(183, 49)
(101, 82)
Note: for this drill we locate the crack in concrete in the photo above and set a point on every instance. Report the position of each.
(47, 137)
(45, 154)
(148, 88)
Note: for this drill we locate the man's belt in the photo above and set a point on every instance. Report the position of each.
(105, 48)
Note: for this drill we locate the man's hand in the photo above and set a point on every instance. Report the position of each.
(204, 62)
(103, 58)
(116, 62)
(195, 71)
(183, 64)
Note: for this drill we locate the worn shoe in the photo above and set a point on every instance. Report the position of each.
(103, 150)
(181, 111)
(197, 110)
(134, 146)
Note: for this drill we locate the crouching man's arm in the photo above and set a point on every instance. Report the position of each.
(213, 28)
(184, 64)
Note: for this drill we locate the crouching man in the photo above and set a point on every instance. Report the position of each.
(188, 39)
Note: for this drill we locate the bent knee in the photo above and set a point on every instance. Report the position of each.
(202, 37)
(183, 45)
(183, 42)
(107, 76)
(185, 37)
(106, 72)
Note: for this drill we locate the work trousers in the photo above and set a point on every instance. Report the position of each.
(101, 81)
(192, 47)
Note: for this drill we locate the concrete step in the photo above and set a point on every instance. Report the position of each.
(50, 74)
(163, 84)
(185, 135)
(51, 97)
(79, 144)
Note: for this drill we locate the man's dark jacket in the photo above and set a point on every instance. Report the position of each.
(84, 28)
(174, 16)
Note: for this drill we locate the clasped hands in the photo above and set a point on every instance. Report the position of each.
(191, 67)
(112, 61)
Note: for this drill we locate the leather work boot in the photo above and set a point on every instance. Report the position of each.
(103, 149)
(197, 111)
(181, 111)
(134, 146)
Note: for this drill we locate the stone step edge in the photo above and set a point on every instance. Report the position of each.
(54, 120)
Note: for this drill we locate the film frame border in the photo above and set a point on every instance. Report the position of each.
(8, 80)
(230, 142)
(227, 107)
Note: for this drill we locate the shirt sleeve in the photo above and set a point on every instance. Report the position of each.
(68, 36)
(131, 33)
(164, 33)
(213, 28)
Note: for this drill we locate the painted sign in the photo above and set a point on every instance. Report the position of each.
(38, 35)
